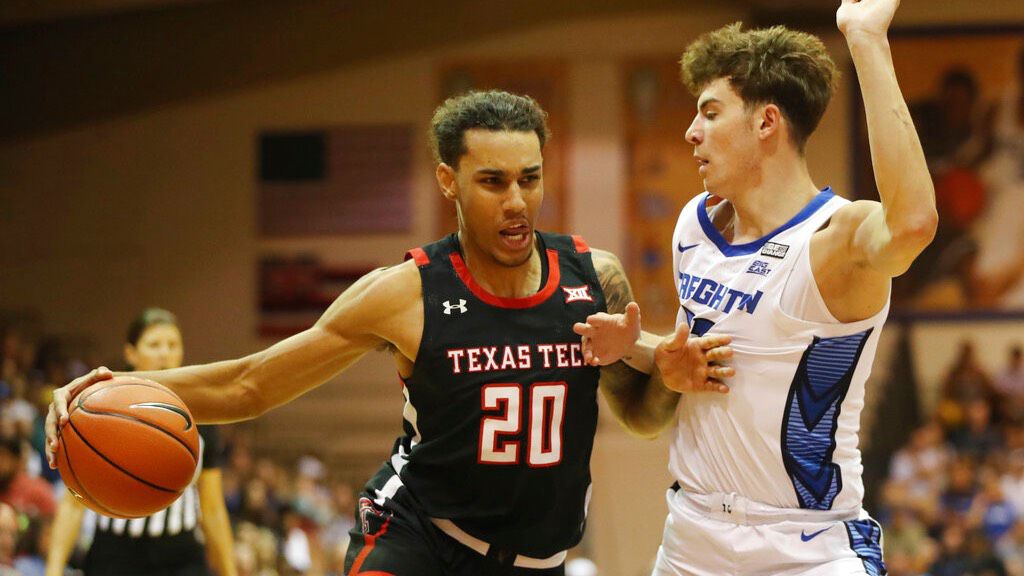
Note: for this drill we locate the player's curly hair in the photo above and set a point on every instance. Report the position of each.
(772, 65)
(490, 110)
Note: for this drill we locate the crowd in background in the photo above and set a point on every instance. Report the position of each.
(953, 503)
(287, 517)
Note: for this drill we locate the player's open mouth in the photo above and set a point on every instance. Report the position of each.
(516, 237)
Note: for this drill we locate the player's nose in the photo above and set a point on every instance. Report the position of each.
(514, 201)
(694, 133)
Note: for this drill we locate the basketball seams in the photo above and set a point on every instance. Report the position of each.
(81, 405)
(116, 466)
(128, 417)
(110, 461)
(78, 483)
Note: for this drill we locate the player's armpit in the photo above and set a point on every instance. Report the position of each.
(886, 244)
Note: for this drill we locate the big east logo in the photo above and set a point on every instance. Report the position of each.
(577, 294)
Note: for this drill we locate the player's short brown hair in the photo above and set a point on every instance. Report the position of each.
(772, 65)
(490, 110)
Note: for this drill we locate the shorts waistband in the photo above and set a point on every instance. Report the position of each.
(736, 509)
(485, 548)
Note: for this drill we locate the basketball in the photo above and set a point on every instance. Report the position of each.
(129, 448)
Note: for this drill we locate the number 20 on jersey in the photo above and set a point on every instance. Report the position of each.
(542, 406)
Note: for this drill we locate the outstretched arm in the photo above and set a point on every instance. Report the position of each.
(381, 308)
(887, 237)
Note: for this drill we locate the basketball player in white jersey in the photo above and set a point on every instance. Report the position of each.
(768, 476)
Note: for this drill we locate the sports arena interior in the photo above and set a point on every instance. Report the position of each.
(241, 163)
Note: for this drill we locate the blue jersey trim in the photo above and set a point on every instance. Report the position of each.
(750, 247)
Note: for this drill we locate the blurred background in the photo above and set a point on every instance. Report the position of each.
(241, 163)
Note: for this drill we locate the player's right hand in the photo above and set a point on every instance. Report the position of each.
(57, 415)
(689, 364)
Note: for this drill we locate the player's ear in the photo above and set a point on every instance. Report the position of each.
(130, 354)
(446, 180)
(769, 121)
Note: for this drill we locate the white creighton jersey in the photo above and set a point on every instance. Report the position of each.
(786, 433)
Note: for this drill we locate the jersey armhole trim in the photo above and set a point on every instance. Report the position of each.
(581, 244)
(419, 256)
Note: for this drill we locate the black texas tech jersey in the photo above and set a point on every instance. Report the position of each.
(501, 410)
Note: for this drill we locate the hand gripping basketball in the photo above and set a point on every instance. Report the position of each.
(57, 415)
(128, 448)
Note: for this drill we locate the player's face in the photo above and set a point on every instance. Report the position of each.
(158, 348)
(497, 188)
(725, 140)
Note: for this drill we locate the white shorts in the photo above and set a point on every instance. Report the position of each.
(725, 534)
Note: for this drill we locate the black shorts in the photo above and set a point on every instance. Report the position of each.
(177, 555)
(396, 539)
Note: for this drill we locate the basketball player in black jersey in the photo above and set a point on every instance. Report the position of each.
(492, 475)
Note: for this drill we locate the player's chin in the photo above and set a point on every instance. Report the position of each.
(513, 259)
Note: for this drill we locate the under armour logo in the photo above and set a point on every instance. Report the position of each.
(448, 307)
(577, 293)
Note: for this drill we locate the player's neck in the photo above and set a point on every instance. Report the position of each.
(782, 188)
(500, 279)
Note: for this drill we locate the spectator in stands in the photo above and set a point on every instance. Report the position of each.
(952, 559)
(1010, 550)
(32, 547)
(961, 490)
(983, 560)
(909, 551)
(1012, 481)
(921, 465)
(965, 382)
(8, 539)
(991, 511)
(30, 495)
(977, 436)
(1010, 386)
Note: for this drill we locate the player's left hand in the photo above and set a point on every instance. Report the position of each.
(693, 364)
(609, 337)
(871, 17)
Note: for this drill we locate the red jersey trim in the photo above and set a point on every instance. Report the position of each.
(554, 277)
(419, 256)
(581, 244)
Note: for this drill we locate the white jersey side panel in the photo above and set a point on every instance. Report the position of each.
(786, 433)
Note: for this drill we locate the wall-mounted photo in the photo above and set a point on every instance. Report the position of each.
(965, 89)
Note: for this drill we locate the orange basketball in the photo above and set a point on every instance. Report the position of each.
(129, 448)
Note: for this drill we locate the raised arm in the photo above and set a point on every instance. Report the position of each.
(382, 308)
(886, 237)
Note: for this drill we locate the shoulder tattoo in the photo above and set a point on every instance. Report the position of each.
(614, 284)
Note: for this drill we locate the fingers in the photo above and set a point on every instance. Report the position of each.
(713, 341)
(677, 339)
(719, 354)
(583, 329)
(632, 314)
(721, 372)
(589, 358)
(57, 414)
(51, 438)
